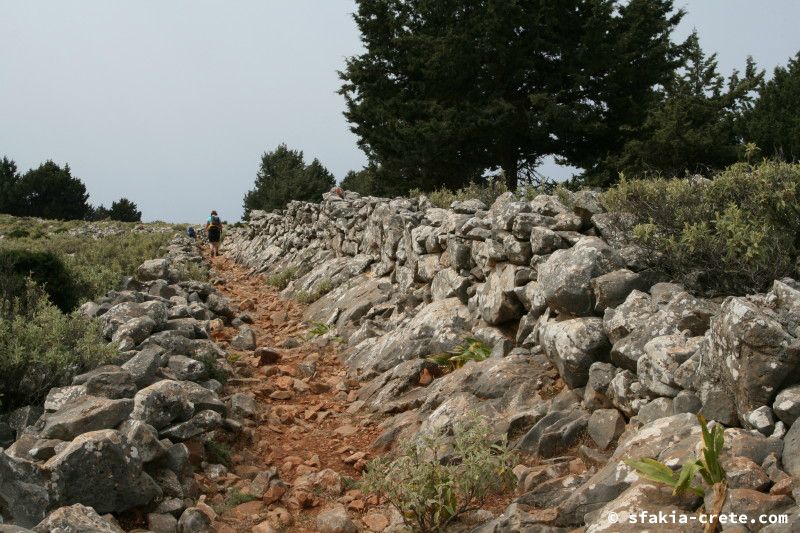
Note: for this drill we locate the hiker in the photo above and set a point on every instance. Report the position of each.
(214, 232)
(190, 232)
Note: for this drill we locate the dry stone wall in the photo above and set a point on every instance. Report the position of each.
(585, 339)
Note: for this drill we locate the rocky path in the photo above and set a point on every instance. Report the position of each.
(303, 442)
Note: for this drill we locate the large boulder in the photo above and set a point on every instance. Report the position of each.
(497, 300)
(101, 470)
(169, 401)
(573, 345)
(752, 353)
(567, 275)
(437, 327)
(86, 413)
(662, 358)
(153, 269)
(76, 518)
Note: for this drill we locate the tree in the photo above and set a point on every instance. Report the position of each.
(9, 177)
(97, 213)
(125, 211)
(284, 176)
(693, 128)
(774, 122)
(50, 191)
(447, 89)
(373, 181)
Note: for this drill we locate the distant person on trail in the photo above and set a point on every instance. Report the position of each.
(190, 232)
(214, 232)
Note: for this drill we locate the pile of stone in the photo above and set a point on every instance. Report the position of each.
(126, 435)
(597, 356)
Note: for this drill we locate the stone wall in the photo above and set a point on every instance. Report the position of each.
(585, 339)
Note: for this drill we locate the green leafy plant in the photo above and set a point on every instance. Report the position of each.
(321, 288)
(733, 234)
(281, 279)
(218, 452)
(41, 347)
(432, 491)
(318, 329)
(471, 349)
(238, 497)
(213, 370)
(708, 466)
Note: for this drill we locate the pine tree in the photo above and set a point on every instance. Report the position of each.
(693, 128)
(774, 122)
(284, 176)
(124, 210)
(50, 191)
(447, 89)
(9, 178)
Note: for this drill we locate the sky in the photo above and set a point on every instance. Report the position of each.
(172, 103)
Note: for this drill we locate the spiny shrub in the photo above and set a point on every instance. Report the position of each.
(41, 347)
(218, 452)
(281, 279)
(431, 492)
(733, 234)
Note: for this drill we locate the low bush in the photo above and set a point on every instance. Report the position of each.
(44, 268)
(41, 347)
(470, 350)
(92, 266)
(733, 234)
(431, 491)
(281, 279)
(485, 192)
(321, 288)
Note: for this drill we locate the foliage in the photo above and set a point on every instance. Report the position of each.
(730, 235)
(708, 466)
(431, 492)
(195, 272)
(774, 122)
(213, 370)
(447, 89)
(284, 176)
(218, 452)
(318, 329)
(487, 192)
(41, 348)
(470, 350)
(281, 279)
(238, 497)
(48, 191)
(43, 267)
(9, 176)
(320, 289)
(125, 211)
(94, 265)
(692, 129)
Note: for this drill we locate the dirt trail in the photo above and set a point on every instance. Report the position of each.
(302, 425)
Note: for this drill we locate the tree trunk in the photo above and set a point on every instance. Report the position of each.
(511, 169)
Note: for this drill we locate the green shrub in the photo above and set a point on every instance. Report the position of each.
(213, 370)
(218, 452)
(430, 492)
(281, 279)
(730, 235)
(238, 497)
(44, 268)
(470, 350)
(485, 192)
(195, 272)
(94, 266)
(41, 347)
(321, 288)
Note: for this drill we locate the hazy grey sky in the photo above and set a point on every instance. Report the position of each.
(171, 103)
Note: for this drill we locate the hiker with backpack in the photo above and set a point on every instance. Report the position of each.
(214, 232)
